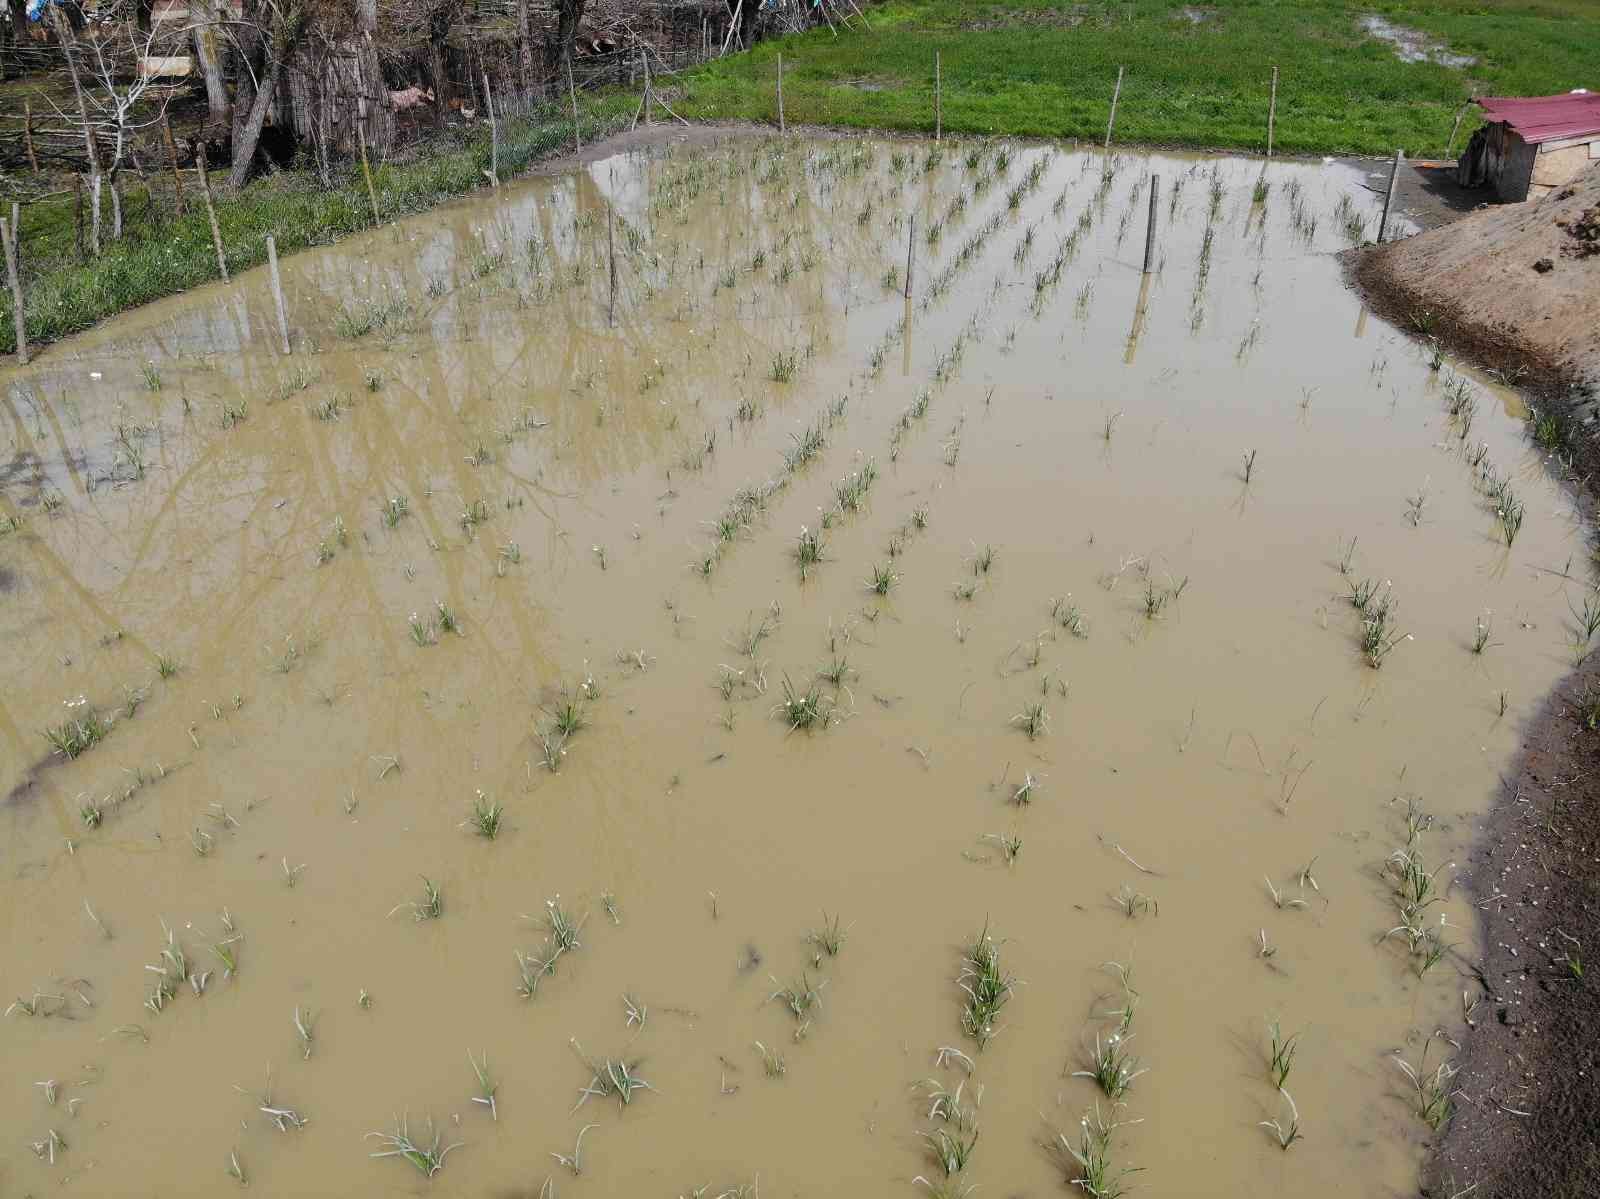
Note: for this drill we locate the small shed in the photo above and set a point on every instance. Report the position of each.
(1532, 145)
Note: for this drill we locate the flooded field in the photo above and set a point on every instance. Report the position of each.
(755, 730)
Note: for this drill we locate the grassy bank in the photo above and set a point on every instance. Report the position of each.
(161, 257)
(1197, 74)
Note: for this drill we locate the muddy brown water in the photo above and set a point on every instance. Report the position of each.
(307, 737)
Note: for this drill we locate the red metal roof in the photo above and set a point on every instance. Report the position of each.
(1546, 118)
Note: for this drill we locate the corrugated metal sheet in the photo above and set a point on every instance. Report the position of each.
(1538, 119)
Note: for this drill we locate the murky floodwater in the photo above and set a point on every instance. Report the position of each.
(320, 605)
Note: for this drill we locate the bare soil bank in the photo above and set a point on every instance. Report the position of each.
(1518, 289)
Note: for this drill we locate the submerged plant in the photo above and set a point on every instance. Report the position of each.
(1434, 1092)
(1280, 1054)
(78, 733)
(1032, 720)
(1097, 1176)
(1111, 1066)
(1285, 1134)
(804, 709)
(987, 985)
(427, 1157)
(485, 817)
(429, 907)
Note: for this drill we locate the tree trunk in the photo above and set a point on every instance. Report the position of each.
(116, 203)
(370, 104)
(11, 39)
(247, 137)
(439, 55)
(142, 12)
(525, 49)
(279, 46)
(248, 64)
(569, 13)
(208, 51)
(64, 32)
(747, 23)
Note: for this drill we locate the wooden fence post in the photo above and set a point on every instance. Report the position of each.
(911, 250)
(1116, 95)
(366, 170)
(938, 99)
(494, 135)
(1272, 111)
(211, 212)
(8, 234)
(27, 134)
(577, 133)
(644, 61)
(1388, 196)
(611, 257)
(172, 161)
(1449, 146)
(77, 212)
(781, 127)
(1150, 229)
(277, 294)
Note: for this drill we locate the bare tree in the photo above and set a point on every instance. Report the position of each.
(68, 49)
(111, 83)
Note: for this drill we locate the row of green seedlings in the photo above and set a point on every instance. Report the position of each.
(987, 988)
(1131, 208)
(1461, 405)
(1048, 277)
(565, 717)
(1417, 889)
(561, 931)
(802, 999)
(970, 250)
(609, 1077)
(1156, 597)
(1108, 1063)
(727, 278)
(940, 286)
(174, 970)
(94, 811)
(1378, 609)
(1302, 218)
(390, 314)
(946, 366)
(750, 680)
(750, 502)
(395, 509)
(849, 498)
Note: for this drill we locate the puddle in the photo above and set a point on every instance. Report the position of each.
(1412, 45)
(326, 604)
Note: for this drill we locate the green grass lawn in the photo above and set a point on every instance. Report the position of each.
(1196, 75)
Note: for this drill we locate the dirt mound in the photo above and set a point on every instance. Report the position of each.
(1517, 286)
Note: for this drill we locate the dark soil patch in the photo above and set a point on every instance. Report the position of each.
(1527, 1123)
(1528, 1119)
(1584, 233)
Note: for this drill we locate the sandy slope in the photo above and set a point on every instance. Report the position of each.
(1479, 281)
